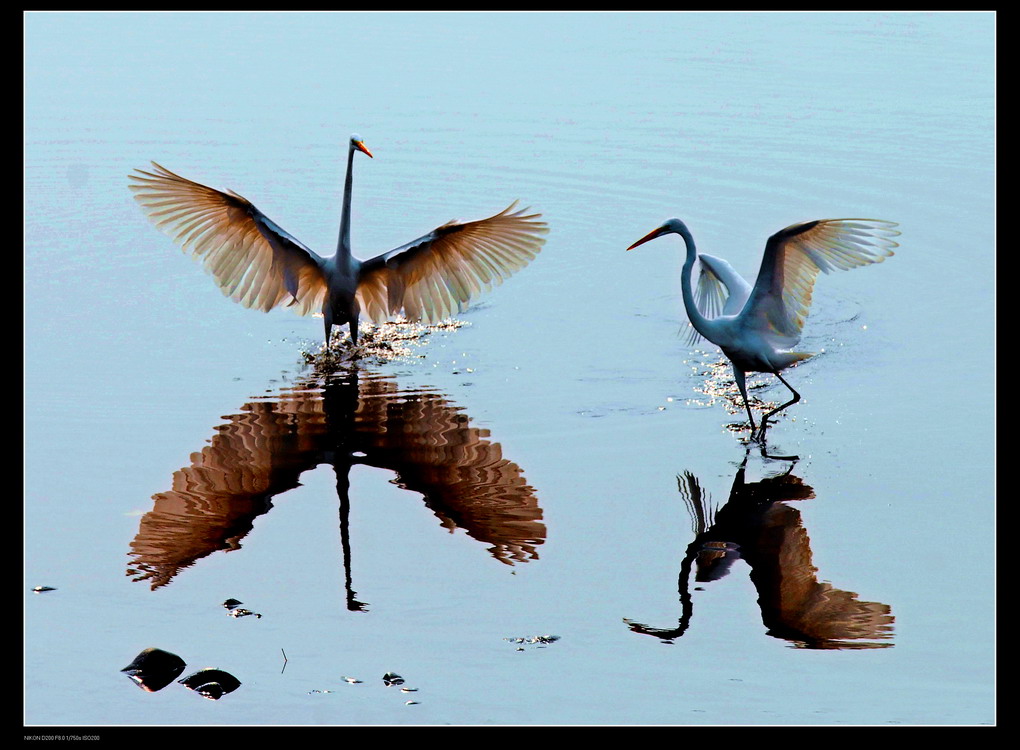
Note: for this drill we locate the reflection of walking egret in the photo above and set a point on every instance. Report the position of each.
(757, 326)
(260, 265)
(759, 525)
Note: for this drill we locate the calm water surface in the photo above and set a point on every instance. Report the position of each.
(563, 464)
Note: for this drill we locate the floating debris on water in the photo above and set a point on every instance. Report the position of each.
(211, 683)
(390, 679)
(153, 669)
(537, 640)
(534, 639)
(234, 609)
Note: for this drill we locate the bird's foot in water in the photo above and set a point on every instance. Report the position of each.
(758, 438)
(338, 355)
(758, 435)
(775, 456)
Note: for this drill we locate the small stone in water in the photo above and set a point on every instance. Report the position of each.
(211, 683)
(153, 669)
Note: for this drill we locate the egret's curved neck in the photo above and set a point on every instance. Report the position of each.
(699, 321)
(343, 248)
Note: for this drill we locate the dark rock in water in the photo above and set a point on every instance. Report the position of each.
(211, 690)
(153, 669)
(211, 683)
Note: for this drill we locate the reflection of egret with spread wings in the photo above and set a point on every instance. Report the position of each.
(344, 420)
(758, 526)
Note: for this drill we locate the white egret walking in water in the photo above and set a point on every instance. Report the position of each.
(258, 264)
(756, 326)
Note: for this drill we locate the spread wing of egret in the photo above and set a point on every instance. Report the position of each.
(757, 326)
(258, 264)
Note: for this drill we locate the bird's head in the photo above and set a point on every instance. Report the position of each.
(672, 226)
(357, 143)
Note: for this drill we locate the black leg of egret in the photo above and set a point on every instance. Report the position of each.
(328, 316)
(738, 375)
(795, 399)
